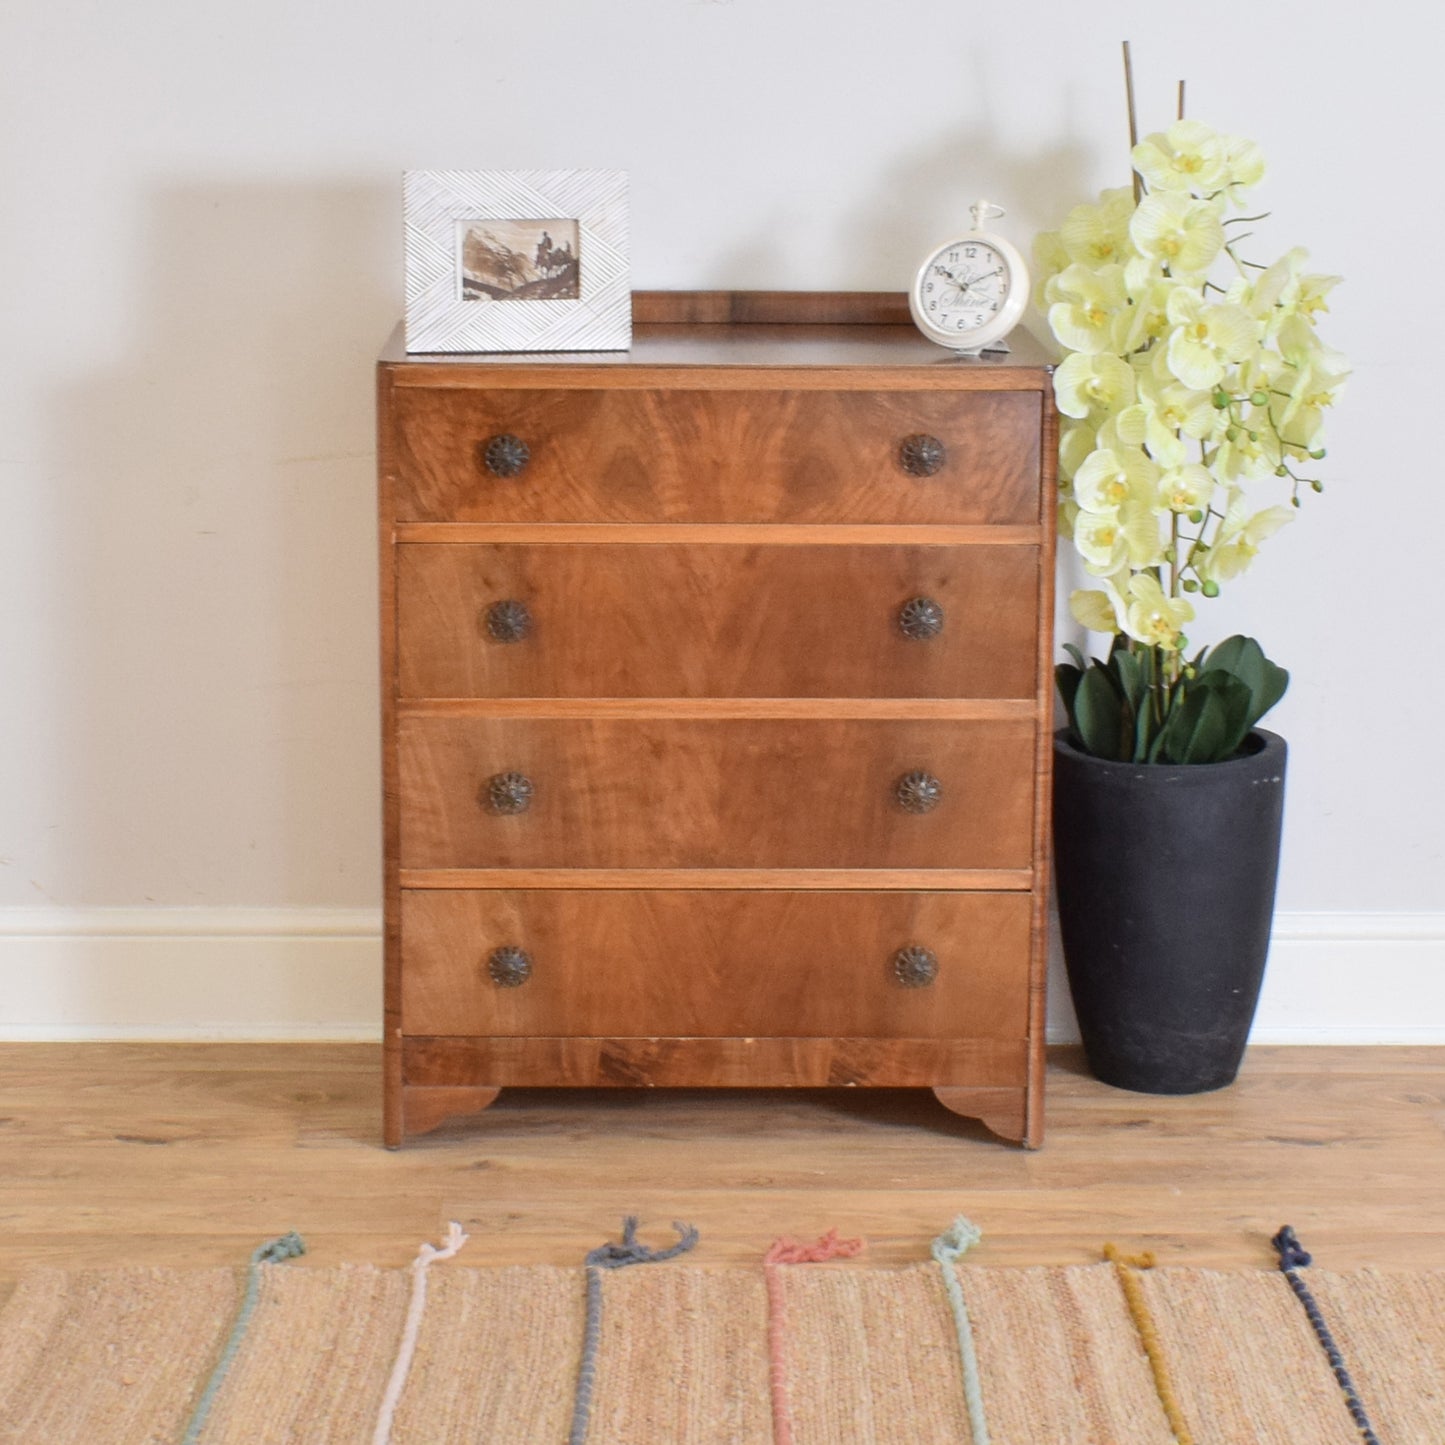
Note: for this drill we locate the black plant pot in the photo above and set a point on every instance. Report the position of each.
(1165, 882)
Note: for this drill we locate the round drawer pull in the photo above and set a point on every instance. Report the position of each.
(920, 619)
(509, 967)
(915, 966)
(508, 793)
(508, 621)
(918, 792)
(921, 455)
(505, 455)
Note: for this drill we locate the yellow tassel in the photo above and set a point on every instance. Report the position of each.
(1126, 1267)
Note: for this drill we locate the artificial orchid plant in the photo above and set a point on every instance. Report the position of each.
(1193, 387)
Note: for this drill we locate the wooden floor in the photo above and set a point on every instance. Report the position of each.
(193, 1154)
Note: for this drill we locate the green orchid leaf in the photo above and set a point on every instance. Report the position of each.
(1066, 679)
(1098, 711)
(1209, 722)
(1128, 669)
(1271, 689)
(1244, 658)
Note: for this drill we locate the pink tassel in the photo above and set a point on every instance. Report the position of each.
(790, 1251)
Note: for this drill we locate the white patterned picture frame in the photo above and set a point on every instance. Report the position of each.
(593, 313)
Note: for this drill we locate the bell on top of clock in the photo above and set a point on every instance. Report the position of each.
(970, 293)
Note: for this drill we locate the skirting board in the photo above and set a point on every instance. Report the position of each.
(245, 973)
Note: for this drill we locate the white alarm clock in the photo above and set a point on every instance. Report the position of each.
(970, 293)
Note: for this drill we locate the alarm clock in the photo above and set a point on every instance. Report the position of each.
(970, 293)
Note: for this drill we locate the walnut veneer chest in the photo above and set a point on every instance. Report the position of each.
(716, 680)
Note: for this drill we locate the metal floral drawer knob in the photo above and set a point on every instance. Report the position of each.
(507, 793)
(505, 455)
(920, 618)
(508, 620)
(918, 792)
(509, 967)
(915, 966)
(921, 455)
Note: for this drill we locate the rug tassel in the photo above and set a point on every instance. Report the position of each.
(274, 1251)
(1294, 1256)
(1126, 1268)
(612, 1256)
(790, 1251)
(427, 1255)
(948, 1249)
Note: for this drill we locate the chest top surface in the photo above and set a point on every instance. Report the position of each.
(879, 349)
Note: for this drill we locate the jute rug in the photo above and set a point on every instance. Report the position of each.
(1109, 1354)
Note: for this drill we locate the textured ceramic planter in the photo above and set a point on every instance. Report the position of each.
(1165, 885)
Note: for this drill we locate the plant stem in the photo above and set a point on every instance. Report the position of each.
(1133, 124)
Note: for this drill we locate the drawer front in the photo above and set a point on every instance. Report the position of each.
(723, 456)
(716, 964)
(717, 620)
(716, 793)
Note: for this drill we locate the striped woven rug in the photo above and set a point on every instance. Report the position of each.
(808, 1347)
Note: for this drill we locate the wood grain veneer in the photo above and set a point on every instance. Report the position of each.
(713, 702)
(715, 456)
(692, 964)
(657, 793)
(732, 621)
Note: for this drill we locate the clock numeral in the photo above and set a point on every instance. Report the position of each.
(953, 255)
(929, 287)
(970, 251)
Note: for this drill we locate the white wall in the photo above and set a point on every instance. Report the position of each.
(201, 255)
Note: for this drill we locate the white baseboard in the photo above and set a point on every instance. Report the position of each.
(190, 973)
(310, 973)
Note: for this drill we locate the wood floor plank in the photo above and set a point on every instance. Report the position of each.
(189, 1155)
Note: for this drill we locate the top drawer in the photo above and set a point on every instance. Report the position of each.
(716, 456)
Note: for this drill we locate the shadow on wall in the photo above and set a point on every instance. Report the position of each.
(214, 551)
(922, 199)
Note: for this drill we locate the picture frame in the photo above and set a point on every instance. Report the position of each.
(516, 261)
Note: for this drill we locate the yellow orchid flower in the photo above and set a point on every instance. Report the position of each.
(1186, 488)
(1109, 478)
(1099, 235)
(1101, 542)
(1143, 532)
(1206, 339)
(1243, 166)
(1152, 618)
(1317, 385)
(1098, 610)
(1093, 386)
(1188, 157)
(1090, 310)
(1239, 538)
(1185, 234)
(1172, 413)
(1076, 441)
(1050, 258)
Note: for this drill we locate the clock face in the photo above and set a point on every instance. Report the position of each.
(963, 288)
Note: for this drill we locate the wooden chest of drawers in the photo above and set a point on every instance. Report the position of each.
(715, 711)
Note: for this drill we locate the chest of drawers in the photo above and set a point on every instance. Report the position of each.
(715, 711)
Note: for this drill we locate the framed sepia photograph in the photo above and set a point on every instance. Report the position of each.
(516, 261)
